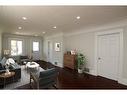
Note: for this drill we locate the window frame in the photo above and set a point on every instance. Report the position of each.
(17, 39)
(33, 46)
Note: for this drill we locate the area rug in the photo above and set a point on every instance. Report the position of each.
(25, 79)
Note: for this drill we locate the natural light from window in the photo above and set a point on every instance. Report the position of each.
(35, 46)
(16, 47)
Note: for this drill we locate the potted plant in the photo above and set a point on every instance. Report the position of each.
(81, 61)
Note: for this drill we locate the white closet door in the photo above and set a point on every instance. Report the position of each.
(108, 55)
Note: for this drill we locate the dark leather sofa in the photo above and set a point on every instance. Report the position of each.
(24, 59)
(16, 68)
(21, 59)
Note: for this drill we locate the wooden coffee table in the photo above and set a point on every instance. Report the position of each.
(7, 75)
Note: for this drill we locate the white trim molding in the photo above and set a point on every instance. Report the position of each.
(123, 81)
(120, 69)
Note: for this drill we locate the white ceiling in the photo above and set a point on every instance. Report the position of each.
(43, 18)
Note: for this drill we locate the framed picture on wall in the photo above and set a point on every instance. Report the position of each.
(57, 46)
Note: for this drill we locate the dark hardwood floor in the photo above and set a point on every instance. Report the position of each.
(70, 79)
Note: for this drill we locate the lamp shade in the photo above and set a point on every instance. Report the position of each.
(6, 52)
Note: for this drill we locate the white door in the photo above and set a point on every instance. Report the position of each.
(36, 52)
(49, 52)
(108, 55)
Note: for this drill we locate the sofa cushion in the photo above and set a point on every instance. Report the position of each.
(14, 66)
(24, 57)
(48, 72)
(3, 61)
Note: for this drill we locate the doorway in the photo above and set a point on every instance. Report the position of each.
(36, 49)
(109, 54)
(49, 52)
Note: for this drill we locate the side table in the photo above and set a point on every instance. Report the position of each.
(7, 75)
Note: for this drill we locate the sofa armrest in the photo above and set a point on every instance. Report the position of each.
(17, 73)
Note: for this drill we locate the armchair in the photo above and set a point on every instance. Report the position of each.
(46, 79)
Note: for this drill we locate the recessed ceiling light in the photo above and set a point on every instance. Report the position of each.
(54, 27)
(43, 32)
(24, 18)
(78, 17)
(19, 27)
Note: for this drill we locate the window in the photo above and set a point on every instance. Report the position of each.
(35, 46)
(16, 47)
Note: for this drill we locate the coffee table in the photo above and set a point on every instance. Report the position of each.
(32, 66)
(7, 75)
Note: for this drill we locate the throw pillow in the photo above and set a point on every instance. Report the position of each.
(12, 66)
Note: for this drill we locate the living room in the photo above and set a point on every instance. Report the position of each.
(45, 37)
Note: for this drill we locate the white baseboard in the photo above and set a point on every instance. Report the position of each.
(123, 81)
(92, 72)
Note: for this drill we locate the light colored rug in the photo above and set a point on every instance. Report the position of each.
(25, 79)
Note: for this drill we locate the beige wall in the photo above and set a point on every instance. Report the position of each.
(83, 43)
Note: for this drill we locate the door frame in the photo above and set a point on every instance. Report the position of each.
(49, 59)
(17, 39)
(120, 65)
(31, 47)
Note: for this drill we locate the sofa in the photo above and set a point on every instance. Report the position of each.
(21, 59)
(24, 59)
(15, 68)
